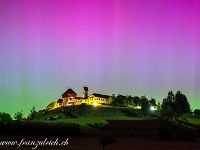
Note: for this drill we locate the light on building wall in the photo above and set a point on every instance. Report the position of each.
(95, 104)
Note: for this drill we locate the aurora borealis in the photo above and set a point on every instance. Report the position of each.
(134, 47)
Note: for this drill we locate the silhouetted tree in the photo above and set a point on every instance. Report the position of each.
(128, 101)
(145, 106)
(173, 121)
(152, 102)
(167, 107)
(136, 101)
(18, 116)
(166, 110)
(181, 104)
(5, 118)
(159, 106)
(32, 113)
(197, 112)
(119, 100)
(175, 105)
(169, 100)
(172, 109)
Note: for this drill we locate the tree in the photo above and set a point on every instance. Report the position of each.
(197, 112)
(32, 113)
(172, 109)
(136, 101)
(5, 118)
(152, 102)
(112, 99)
(158, 106)
(166, 111)
(18, 116)
(145, 106)
(128, 101)
(167, 108)
(169, 100)
(119, 100)
(181, 104)
(39, 115)
(178, 104)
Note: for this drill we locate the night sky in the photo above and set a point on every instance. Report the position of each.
(134, 47)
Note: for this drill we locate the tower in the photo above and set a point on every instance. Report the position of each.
(85, 92)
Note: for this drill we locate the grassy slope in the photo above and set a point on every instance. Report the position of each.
(195, 121)
(115, 112)
(94, 115)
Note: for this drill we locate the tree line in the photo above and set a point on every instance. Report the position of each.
(131, 101)
(173, 103)
(18, 116)
(177, 104)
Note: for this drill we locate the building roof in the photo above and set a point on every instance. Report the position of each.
(81, 97)
(100, 95)
(69, 91)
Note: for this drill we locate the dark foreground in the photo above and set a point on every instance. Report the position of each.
(122, 135)
(92, 143)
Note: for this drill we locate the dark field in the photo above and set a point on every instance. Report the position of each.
(123, 143)
(124, 134)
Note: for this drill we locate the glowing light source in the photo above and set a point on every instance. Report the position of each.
(153, 108)
(95, 104)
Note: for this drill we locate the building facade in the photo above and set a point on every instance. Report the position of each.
(70, 98)
(97, 99)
